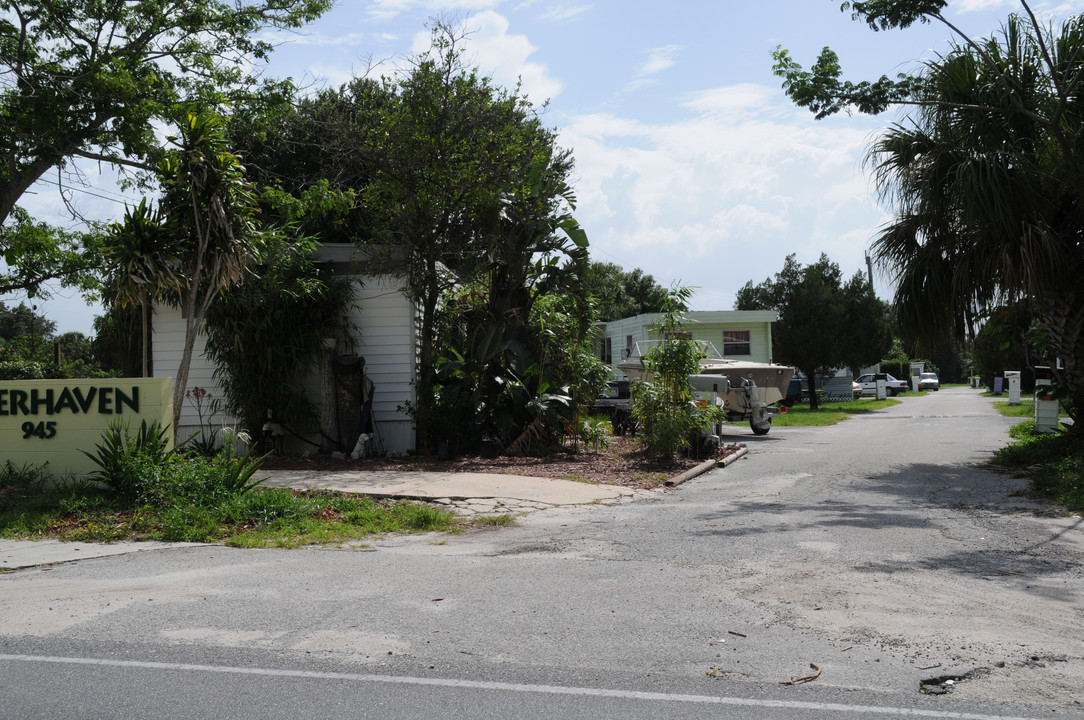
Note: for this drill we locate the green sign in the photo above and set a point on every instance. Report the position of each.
(51, 421)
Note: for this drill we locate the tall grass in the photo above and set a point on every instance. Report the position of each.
(144, 491)
(1053, 461)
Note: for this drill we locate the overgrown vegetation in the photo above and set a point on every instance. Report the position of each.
(265, 335)
(1053, 461)
(144, 490)
(670, 421)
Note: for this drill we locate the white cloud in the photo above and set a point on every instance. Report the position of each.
(723, 194)
(978, 5)
(659, 59)
(560, 13)
(1054, 8)
(389, 9)
(502, 56)
(733, 98)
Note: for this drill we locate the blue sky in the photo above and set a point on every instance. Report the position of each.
(690, 162)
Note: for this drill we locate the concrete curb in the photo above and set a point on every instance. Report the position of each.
(705, 466)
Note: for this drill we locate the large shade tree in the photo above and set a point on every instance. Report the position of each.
(824, 322)
(461, 189)
(455, 156)
(621, 293)
(984, 173)
(91, 79)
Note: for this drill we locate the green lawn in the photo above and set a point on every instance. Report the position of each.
(829, 413)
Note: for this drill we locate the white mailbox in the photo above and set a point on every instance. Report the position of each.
(1046, 405)
(882, 385)
(1012, 378)
(917, 368)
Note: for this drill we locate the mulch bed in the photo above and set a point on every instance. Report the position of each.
(622, 462)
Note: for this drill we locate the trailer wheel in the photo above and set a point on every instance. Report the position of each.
(760, 429)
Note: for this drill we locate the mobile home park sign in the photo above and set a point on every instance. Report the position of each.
(52, 421)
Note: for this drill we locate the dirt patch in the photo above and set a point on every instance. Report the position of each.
(622, 462)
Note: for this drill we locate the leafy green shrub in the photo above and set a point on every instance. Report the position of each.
(665, 425)
(144, 468)
(1064, 480)
(114, 455)
(192, 480)
(1056, 461)
(81, 501)
(1023, 430)
(27, 370)
(595, 430)
(1033, 448)
(663, 406)
(17, 483)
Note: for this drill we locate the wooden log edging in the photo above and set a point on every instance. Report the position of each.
(705, 466)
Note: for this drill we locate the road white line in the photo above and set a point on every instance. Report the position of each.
(511, 687)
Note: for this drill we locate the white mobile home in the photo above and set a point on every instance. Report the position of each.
(737, 334)
(385, 319)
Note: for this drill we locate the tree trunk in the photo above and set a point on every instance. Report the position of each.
(13, 189)
(180, 381)
(144, 334)
(811, 382)
(426, 374)
(329, 408)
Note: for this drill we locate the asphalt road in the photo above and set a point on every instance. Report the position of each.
(877, 550)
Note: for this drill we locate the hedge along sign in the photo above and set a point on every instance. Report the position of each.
(51, 421)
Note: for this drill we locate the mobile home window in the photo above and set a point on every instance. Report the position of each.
(605, 350)
(736, 342)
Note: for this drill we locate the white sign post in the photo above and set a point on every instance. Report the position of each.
(1012, 377)
(917, 368)
(1046, 405)
(882, 386)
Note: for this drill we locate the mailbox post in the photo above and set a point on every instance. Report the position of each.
(882, 385)
(917, 368)
(1012, 379)
(1046, 405)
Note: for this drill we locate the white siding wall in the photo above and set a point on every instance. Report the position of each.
(385, 321)
(167, 346)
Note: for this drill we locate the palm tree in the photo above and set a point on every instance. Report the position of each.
(142, 264)
(986, 179)
(211, 206)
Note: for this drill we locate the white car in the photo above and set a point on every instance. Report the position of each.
(928, 381)
(869, 385)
